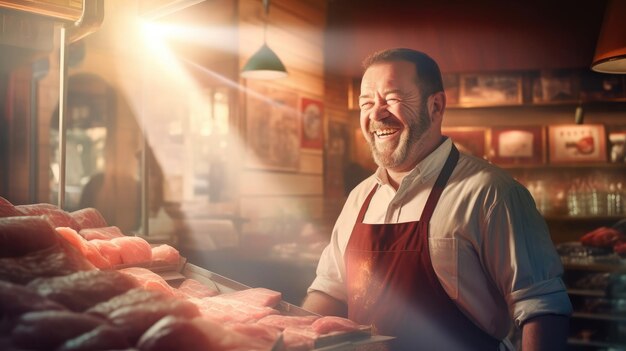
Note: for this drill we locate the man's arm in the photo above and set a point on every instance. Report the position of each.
(547, 332)
(324, 304)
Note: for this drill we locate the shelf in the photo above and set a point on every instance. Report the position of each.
(552, 166)
(594, 343)
(599, 316)
(583, 292)
(583, 218)
(601, 267)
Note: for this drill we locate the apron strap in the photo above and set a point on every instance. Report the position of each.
(366, 204)
(440, 184)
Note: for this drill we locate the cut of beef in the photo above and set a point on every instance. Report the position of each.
(171, 333)
(57, 217)
(228, 310)
(133, 249)
(130, 298)
(57, 260)
(148, 279)
(102, 233)
(329, 324)
(88, 218)
(165, 253)
(281, 321)
(82, 290)
(7, 209)
(193, 288)
(261, 297)
(103, 337)
(25, 234)
(46, 330)
(108, 250)
(135, 320)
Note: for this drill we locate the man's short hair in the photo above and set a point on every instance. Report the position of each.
(428, 75)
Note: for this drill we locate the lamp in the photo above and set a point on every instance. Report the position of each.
(264, 64)
(610, 56)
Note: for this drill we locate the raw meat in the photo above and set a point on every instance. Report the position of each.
(193, 288)
(261, 297)
(222, 339)
(135, 320)
(16, 300)
(103, 337)
(328, 324)
(108, 250)
(84, 247)
(57, 260)
(171, 333)
(299, 339)
(166, 254)
(88, 218)
(130, 298)
(25, 234)
(281, 322)
(82, 290)
(46, 330)
(133, 249)
(7, 209)
(230, 310)
(148, 279)
(56, 216)
(257, 331)
(103, 233)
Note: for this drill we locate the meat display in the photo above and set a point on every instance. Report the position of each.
(76, 284)
(46, 330)
(133, 249)
(192, 288)
(88, 218)
(82, 290)
(55, 215)
(103, 233)
(165, 253)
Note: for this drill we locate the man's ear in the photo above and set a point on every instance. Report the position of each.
(437, 105)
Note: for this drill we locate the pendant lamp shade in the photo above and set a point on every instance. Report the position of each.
(610, 56)
(264, 64)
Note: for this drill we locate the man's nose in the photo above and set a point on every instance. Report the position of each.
(380, 111)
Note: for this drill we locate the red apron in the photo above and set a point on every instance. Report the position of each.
(393, 287)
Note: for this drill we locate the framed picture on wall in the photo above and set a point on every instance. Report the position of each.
(273, 128)
(518, 145)
(469, 140)
(577, 143)
(490, 89)
(311, 117)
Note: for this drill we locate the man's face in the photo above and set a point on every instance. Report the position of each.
(394, 118)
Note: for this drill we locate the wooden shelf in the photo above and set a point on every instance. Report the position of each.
(594, 343)
(600, 267)
(556, 166)
(599, 316)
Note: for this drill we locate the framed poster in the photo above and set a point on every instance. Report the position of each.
(518, 145)
(312, 112)
(490, 89)
(273, 128)
(469, 140)
(551, 86)
(577, 143)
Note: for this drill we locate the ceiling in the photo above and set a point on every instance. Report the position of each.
(466, 36)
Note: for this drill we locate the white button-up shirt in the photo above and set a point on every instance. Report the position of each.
(489, 246)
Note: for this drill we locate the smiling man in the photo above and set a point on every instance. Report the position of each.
(442, 250)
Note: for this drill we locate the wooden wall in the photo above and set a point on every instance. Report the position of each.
(272, 200)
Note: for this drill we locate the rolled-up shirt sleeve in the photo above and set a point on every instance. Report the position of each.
(521, 258)
(330, 271)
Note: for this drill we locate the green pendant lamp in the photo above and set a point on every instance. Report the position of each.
(264, 64)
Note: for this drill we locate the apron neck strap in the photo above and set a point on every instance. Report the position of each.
(440, 184)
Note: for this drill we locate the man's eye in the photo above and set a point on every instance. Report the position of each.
(392, 101)
(366, 105)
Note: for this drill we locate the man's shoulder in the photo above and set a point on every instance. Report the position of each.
(482, 174)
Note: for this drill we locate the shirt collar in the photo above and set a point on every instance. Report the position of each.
(428, 167)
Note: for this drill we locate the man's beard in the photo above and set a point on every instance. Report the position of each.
(411, 138)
